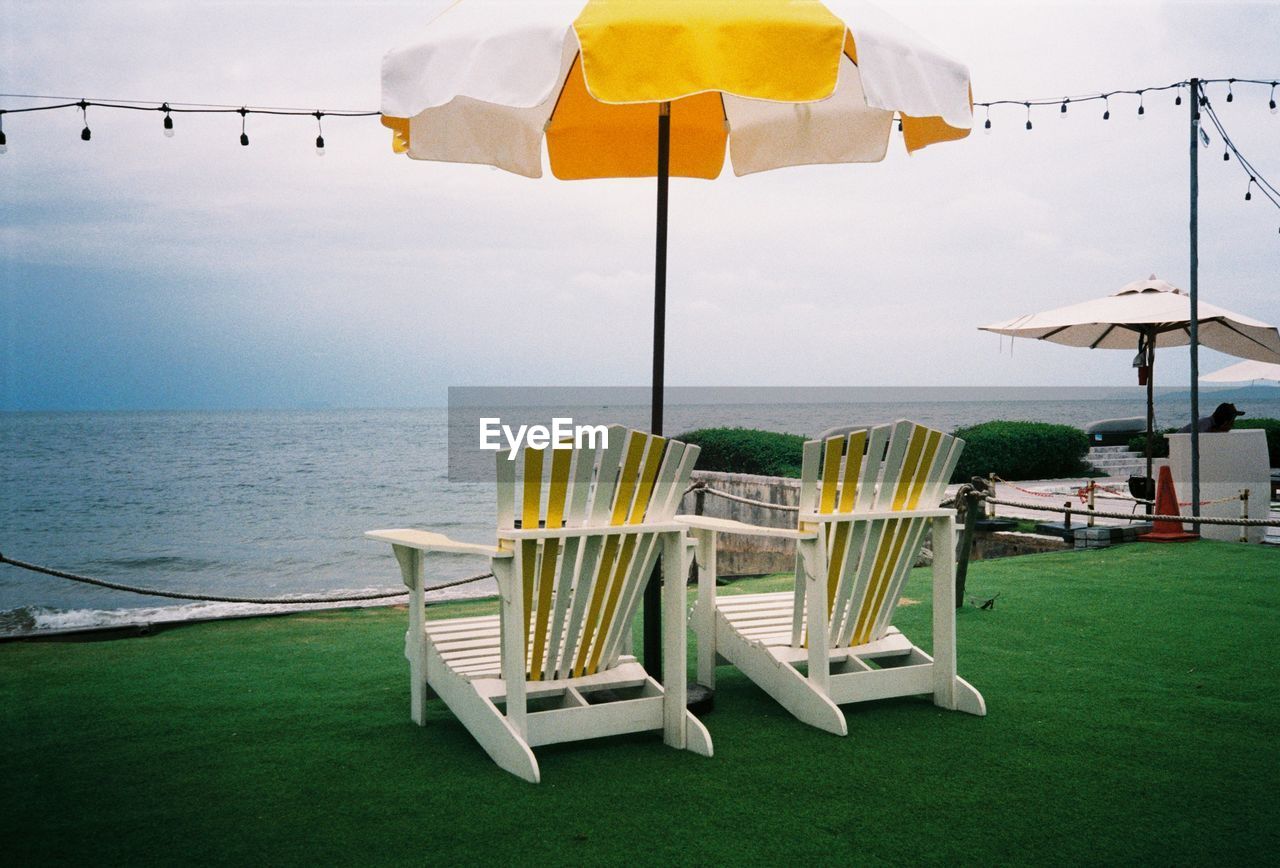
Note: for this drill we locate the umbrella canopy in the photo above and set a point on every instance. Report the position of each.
(1140, 316)
(1244, 372)
(1146, 307)
(783, 82)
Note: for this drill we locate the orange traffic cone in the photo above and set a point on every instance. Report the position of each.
(1166, 504)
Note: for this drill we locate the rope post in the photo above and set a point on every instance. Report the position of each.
(1244, 514)
(991, 487)
(1066, 518)
(970, 503)
(1093, 490)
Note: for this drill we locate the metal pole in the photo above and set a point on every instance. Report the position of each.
(652, 629)
(1151, 414)
(1194, 289)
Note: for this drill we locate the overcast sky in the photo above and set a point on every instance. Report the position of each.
(143, 272)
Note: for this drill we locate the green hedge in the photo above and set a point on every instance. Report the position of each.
(1160, 444)
(747, 450)
(1021, 450)
(1013, 450)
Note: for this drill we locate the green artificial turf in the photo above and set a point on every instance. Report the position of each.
(1133, 713)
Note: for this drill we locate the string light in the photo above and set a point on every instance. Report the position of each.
(1062, 102)
(1256, 179)
(320, 136)
(4, 142)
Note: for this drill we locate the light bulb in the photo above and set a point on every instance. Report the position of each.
(244, 139)
(319, 146)
(85, 135)
(986, 127)
(168, 127)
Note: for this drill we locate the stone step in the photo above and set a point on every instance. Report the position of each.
(1105, 450)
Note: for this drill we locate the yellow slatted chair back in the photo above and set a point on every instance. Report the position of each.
(581, 590)
(893, 468)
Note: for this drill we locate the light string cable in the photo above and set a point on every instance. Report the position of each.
(1063, 104)
(1256, 179)
(168, 109)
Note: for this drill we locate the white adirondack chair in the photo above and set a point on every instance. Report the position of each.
(865, 501)
(578, 537)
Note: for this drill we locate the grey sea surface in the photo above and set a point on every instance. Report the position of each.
(274, 503)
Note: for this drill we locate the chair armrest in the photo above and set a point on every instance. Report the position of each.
(725, 525)
(426, 541)
(829, 517)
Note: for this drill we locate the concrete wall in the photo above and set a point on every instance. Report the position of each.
(747, 555)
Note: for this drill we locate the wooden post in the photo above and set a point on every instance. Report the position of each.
(1066, 519)
(1092, 491)
(966, 545)
(1244, 513)
(991, 487)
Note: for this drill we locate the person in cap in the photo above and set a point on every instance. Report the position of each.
(1222, 419)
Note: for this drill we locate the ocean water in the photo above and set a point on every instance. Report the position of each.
(273, 503)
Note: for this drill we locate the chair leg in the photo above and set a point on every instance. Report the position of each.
(489, 727)
(780, 680)
(705, 611)
(418, 690)
(410, 561)
(949, 689)
(674, 645)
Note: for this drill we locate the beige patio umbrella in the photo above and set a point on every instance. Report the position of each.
(1139, 316)
(1244, 372)
(661, 88)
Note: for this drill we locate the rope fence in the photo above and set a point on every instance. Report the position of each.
(959, 501)
(211, 598)
(989, 498)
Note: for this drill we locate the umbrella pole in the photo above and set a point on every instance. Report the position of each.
(1193, 288)
(652, 629)
(1151, 405)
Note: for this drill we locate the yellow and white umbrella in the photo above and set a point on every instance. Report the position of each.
(655, 88)
(783, 82)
